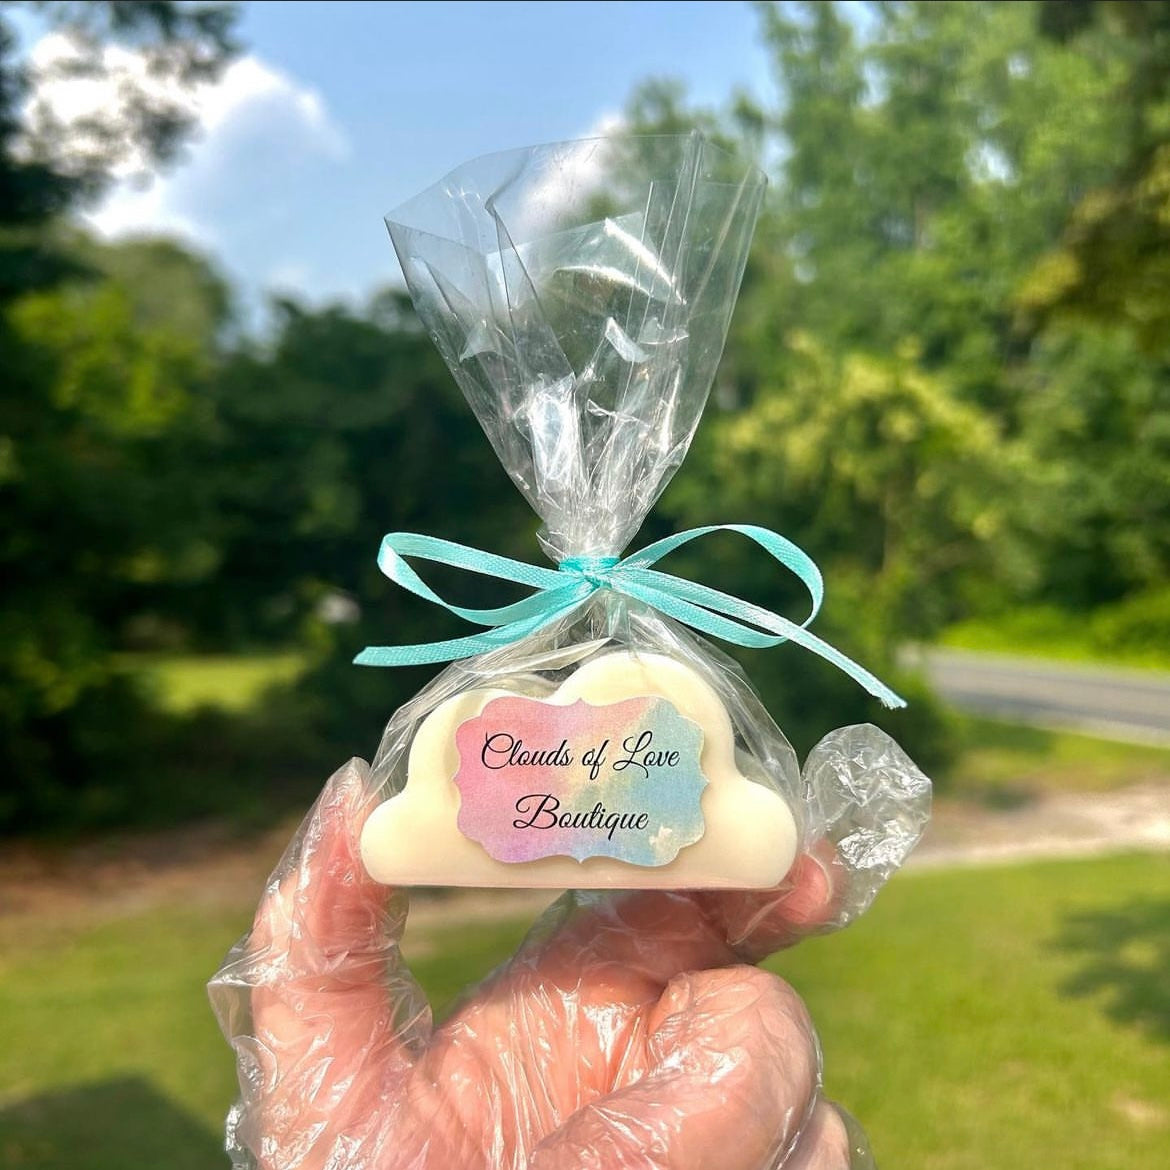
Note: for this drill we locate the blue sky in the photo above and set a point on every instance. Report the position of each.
(340, 111)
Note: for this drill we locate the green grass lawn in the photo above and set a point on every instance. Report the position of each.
(1044, 632)
(232, 682)
(974, 1020)
(1004, 761)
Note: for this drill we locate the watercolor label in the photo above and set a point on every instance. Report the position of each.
(541, 779)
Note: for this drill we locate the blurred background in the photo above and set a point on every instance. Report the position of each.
(948, 378)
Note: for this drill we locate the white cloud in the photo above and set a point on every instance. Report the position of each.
(251, 110)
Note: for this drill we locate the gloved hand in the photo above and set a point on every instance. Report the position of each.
(629, 1031)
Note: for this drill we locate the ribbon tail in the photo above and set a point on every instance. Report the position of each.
(713, 612)
(423, 653)
(888, 698)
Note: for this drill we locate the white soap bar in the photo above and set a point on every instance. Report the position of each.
(749, 840)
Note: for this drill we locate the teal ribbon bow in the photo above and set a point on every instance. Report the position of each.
(559, 591)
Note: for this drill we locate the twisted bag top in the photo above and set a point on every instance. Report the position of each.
(580, 293)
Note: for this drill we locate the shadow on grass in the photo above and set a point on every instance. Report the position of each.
(1002, 797)
(111, 1125)
(1126, 953)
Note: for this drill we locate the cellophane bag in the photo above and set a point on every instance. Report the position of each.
(581, 294)
(591, 737)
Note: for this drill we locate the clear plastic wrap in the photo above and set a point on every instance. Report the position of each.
(581, 294)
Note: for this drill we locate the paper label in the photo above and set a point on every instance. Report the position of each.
(541, 779)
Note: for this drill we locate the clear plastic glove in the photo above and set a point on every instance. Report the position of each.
(630, 1031)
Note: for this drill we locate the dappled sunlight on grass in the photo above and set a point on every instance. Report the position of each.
(1004, 763)
(230, 682)
(1124, 954)
(950, 1028)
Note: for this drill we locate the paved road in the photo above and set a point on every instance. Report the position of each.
(1118, 704)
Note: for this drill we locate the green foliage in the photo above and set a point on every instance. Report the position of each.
(1095, 411)
(216, 511)
(325, 440)
(876, 460)
(102, 383)
(103, 512)
(46, 167)
(1132, 632)
(891, 394)
(962, 141)
(1006, 764)
(1140, 623)
(1112, 262)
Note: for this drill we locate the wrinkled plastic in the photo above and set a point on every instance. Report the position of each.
(628, 1033)
(580, 294)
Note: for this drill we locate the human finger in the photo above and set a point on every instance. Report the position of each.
(732, 1068)
(648, 936)
(315, 999)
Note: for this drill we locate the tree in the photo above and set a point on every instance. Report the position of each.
(960, 141)
(1112, 262)
(891, 391)
(47, 166)
(105, 388)
(963, 146)
(99, 391)
(326, 439)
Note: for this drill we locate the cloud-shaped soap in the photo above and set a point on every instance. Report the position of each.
(625, 776)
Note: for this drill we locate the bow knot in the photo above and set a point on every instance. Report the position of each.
(596, 570)
(556, 592)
